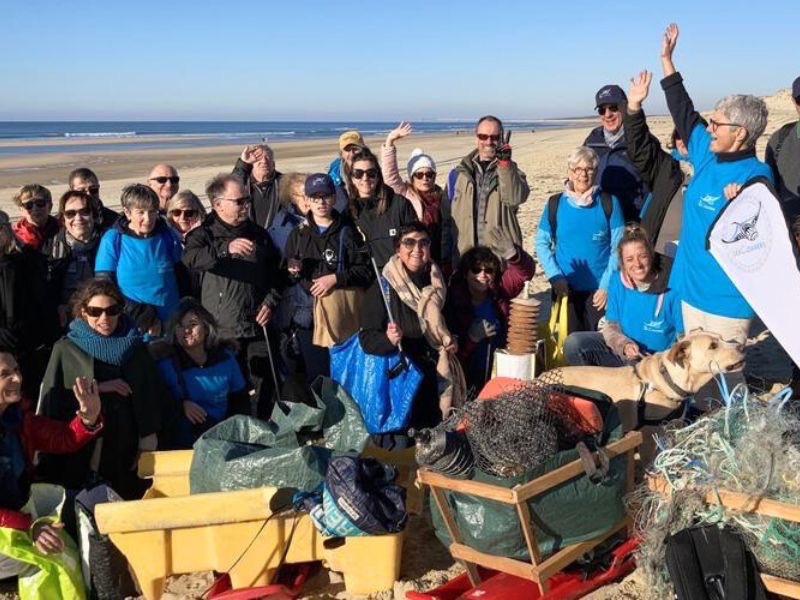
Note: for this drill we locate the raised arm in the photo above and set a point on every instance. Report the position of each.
(679, 103)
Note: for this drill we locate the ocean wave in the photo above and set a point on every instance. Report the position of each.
(100, 134)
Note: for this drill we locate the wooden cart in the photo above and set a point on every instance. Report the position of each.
(738, 502)
(539, 569)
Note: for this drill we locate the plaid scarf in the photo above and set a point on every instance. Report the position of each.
(428, 303)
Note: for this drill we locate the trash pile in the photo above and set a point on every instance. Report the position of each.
(750, 445)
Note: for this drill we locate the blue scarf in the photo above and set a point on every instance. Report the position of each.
(112, 349)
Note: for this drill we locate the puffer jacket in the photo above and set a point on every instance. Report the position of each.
(234, 287)
(503, 202)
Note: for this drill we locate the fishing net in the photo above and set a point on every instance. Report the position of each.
(750, 445)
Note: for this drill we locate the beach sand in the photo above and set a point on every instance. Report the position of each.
(542, 155)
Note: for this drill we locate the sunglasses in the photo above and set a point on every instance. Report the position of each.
(485, 136)
(238, 201)
(717, 124)
(411, 243)
(322, 198)
(38, 203)
(189, 213)
(425, 175)
(601, 110)
(361, 173)
(163, 180)
(71, 214)
(95, 311)
(482, 269)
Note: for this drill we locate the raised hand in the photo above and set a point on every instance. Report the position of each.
(668, 43)
(638, 90)
(88, 396)
(252, 154)
(398, 132)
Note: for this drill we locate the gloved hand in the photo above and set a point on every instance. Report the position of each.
(560, 285)
(499, 241)
(503, 154)
(481, 329)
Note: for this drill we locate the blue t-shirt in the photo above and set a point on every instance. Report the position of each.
(206, 386)
(696, 274)
(586, 243)
(144, 267)
(653, 321)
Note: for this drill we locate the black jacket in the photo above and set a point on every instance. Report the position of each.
(339, 249)
(618, 175)
(234, 287)
(381, 229)
(660, 172)
(63, 262)
(264, 202)
(27, 313)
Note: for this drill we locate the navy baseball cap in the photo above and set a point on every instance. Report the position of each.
(609, 94)
(319, 184)
(796, 89)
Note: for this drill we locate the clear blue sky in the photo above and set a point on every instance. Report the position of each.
(315, 60)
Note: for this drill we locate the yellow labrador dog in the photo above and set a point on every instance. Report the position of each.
(654, 389)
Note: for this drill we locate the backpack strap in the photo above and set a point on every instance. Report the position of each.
(340, 255)
(552, 215)
(783, 133)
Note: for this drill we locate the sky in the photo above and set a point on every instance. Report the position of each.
(387, 60)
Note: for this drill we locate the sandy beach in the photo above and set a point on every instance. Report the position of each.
(541, 155)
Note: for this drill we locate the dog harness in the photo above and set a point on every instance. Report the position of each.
(645, 387)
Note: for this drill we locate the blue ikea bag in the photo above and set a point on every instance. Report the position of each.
(385, 403)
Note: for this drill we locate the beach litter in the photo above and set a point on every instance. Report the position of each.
(748, 446)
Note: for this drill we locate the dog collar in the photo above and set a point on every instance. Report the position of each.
(682, 393)
(641, 404)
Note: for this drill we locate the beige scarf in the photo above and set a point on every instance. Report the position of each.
(428, 304)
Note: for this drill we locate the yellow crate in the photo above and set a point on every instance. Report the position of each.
(170, 532)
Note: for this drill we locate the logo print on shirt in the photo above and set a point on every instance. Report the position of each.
(600, 236)
(654, 326)
(708, 202)
(746, 230)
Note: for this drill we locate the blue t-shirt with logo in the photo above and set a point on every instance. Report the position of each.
(206, 386)
(651, 320)
(586, 243)
(696, 273)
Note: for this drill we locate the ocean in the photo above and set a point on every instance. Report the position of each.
(139, 135)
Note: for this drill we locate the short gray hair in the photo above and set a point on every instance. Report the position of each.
(186, 197)
(138, 195)
(748, 111)
(583, 154)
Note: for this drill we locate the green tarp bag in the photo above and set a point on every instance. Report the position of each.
(53, 575)
(243, 452)
(575, 511)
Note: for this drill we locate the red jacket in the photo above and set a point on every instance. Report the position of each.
(458, 307)
(40, 434)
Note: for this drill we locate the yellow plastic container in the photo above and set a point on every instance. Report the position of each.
(170, 532)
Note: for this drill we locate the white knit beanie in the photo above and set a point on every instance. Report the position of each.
(419, 160)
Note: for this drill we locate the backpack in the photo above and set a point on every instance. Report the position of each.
(552, 211)
(712, 563)
(782, 134)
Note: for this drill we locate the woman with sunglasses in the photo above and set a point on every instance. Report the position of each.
(643, 314)
(201, 371)
(36, 228)
(74, 250)
(377, 210)
(139, 253)
(576, 240)
(104, 344)
(421, 189)
(185, 212)
(414, 288)
(479, 301)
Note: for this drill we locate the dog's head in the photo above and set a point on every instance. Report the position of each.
(702, 354)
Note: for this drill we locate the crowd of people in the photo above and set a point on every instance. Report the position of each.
(140, 330)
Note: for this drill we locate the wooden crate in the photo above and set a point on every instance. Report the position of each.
(739, 502)
(539, 569)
